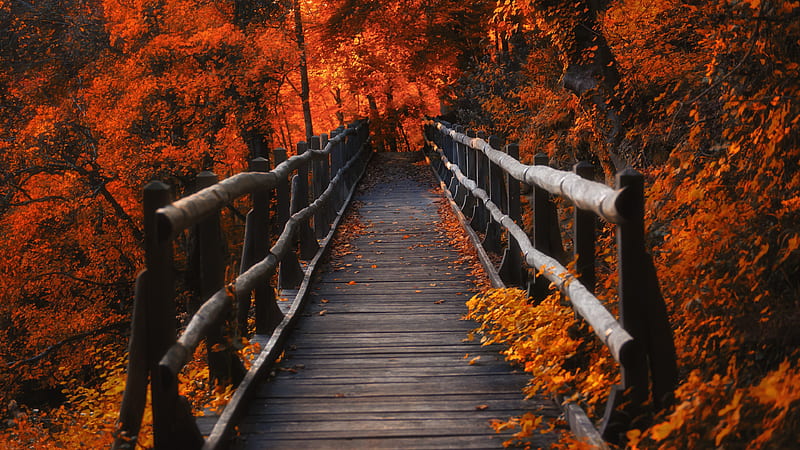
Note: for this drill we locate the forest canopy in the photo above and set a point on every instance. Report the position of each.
(98, 97)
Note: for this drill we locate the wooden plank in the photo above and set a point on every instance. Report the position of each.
(374, 428)
(397, 338)
(413, 443)
(383, 361)
(281, 410)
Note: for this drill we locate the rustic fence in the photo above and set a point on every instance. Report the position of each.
(303, 213)
(484, 179)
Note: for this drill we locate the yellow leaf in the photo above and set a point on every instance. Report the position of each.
(217, 347)
(662, 430)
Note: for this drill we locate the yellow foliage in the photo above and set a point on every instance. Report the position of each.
(540, 339)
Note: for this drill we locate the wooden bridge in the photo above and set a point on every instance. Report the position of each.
(363, 342)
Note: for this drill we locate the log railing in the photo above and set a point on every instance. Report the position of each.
(306, 215)
(484, 179)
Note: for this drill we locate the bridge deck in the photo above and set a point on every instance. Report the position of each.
(379, 358)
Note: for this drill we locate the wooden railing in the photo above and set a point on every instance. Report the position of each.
(484, 181)
(155, 355)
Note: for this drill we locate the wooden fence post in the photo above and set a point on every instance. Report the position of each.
(491, 240)
(308, 243)
(134, 397)
(320, 179)
(642, 313)
(546, 231)
(256, 248)
(316, 186)
(626, 401)
(337, 162)
(480, 218)
(469, 205)
(206, 270)
(459, 155)
(290, 274)
(511, 269)
(443, 142)
(363, 142)
(583, 231)
(142, 342)
(173, 425)
(353, 144)
(449, 178)
(159, 291)
(438, 139)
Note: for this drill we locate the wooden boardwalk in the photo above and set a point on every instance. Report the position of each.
(379, 359)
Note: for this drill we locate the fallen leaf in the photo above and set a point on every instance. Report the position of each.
(323, 312)
(482, 407)
(351, 282)
(439, 302)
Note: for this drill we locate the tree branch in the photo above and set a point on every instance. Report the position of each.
(57, 345)
(82, 280)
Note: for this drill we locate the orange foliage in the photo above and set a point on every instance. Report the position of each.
(709, 97)
(97, 97)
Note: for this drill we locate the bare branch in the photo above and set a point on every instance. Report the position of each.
(114, 326)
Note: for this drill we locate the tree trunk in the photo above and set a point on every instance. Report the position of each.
(337, 97)
(304, 86)
(590, 71)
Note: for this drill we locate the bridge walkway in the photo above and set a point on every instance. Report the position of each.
(380, 358)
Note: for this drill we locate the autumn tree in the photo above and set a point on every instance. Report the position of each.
(399, 56)
(706, 101)
(98, 98)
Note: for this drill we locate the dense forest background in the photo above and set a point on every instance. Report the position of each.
(97, 97)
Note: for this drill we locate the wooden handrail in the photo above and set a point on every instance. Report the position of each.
(641, 341)
(211, 311)
(586, 304)
(154, 352)
(585, 194)
(183, 213)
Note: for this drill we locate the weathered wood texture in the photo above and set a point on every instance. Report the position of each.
(589, 195)
(159, 356)
(379, 360)
(605, 326)
(642, 339)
